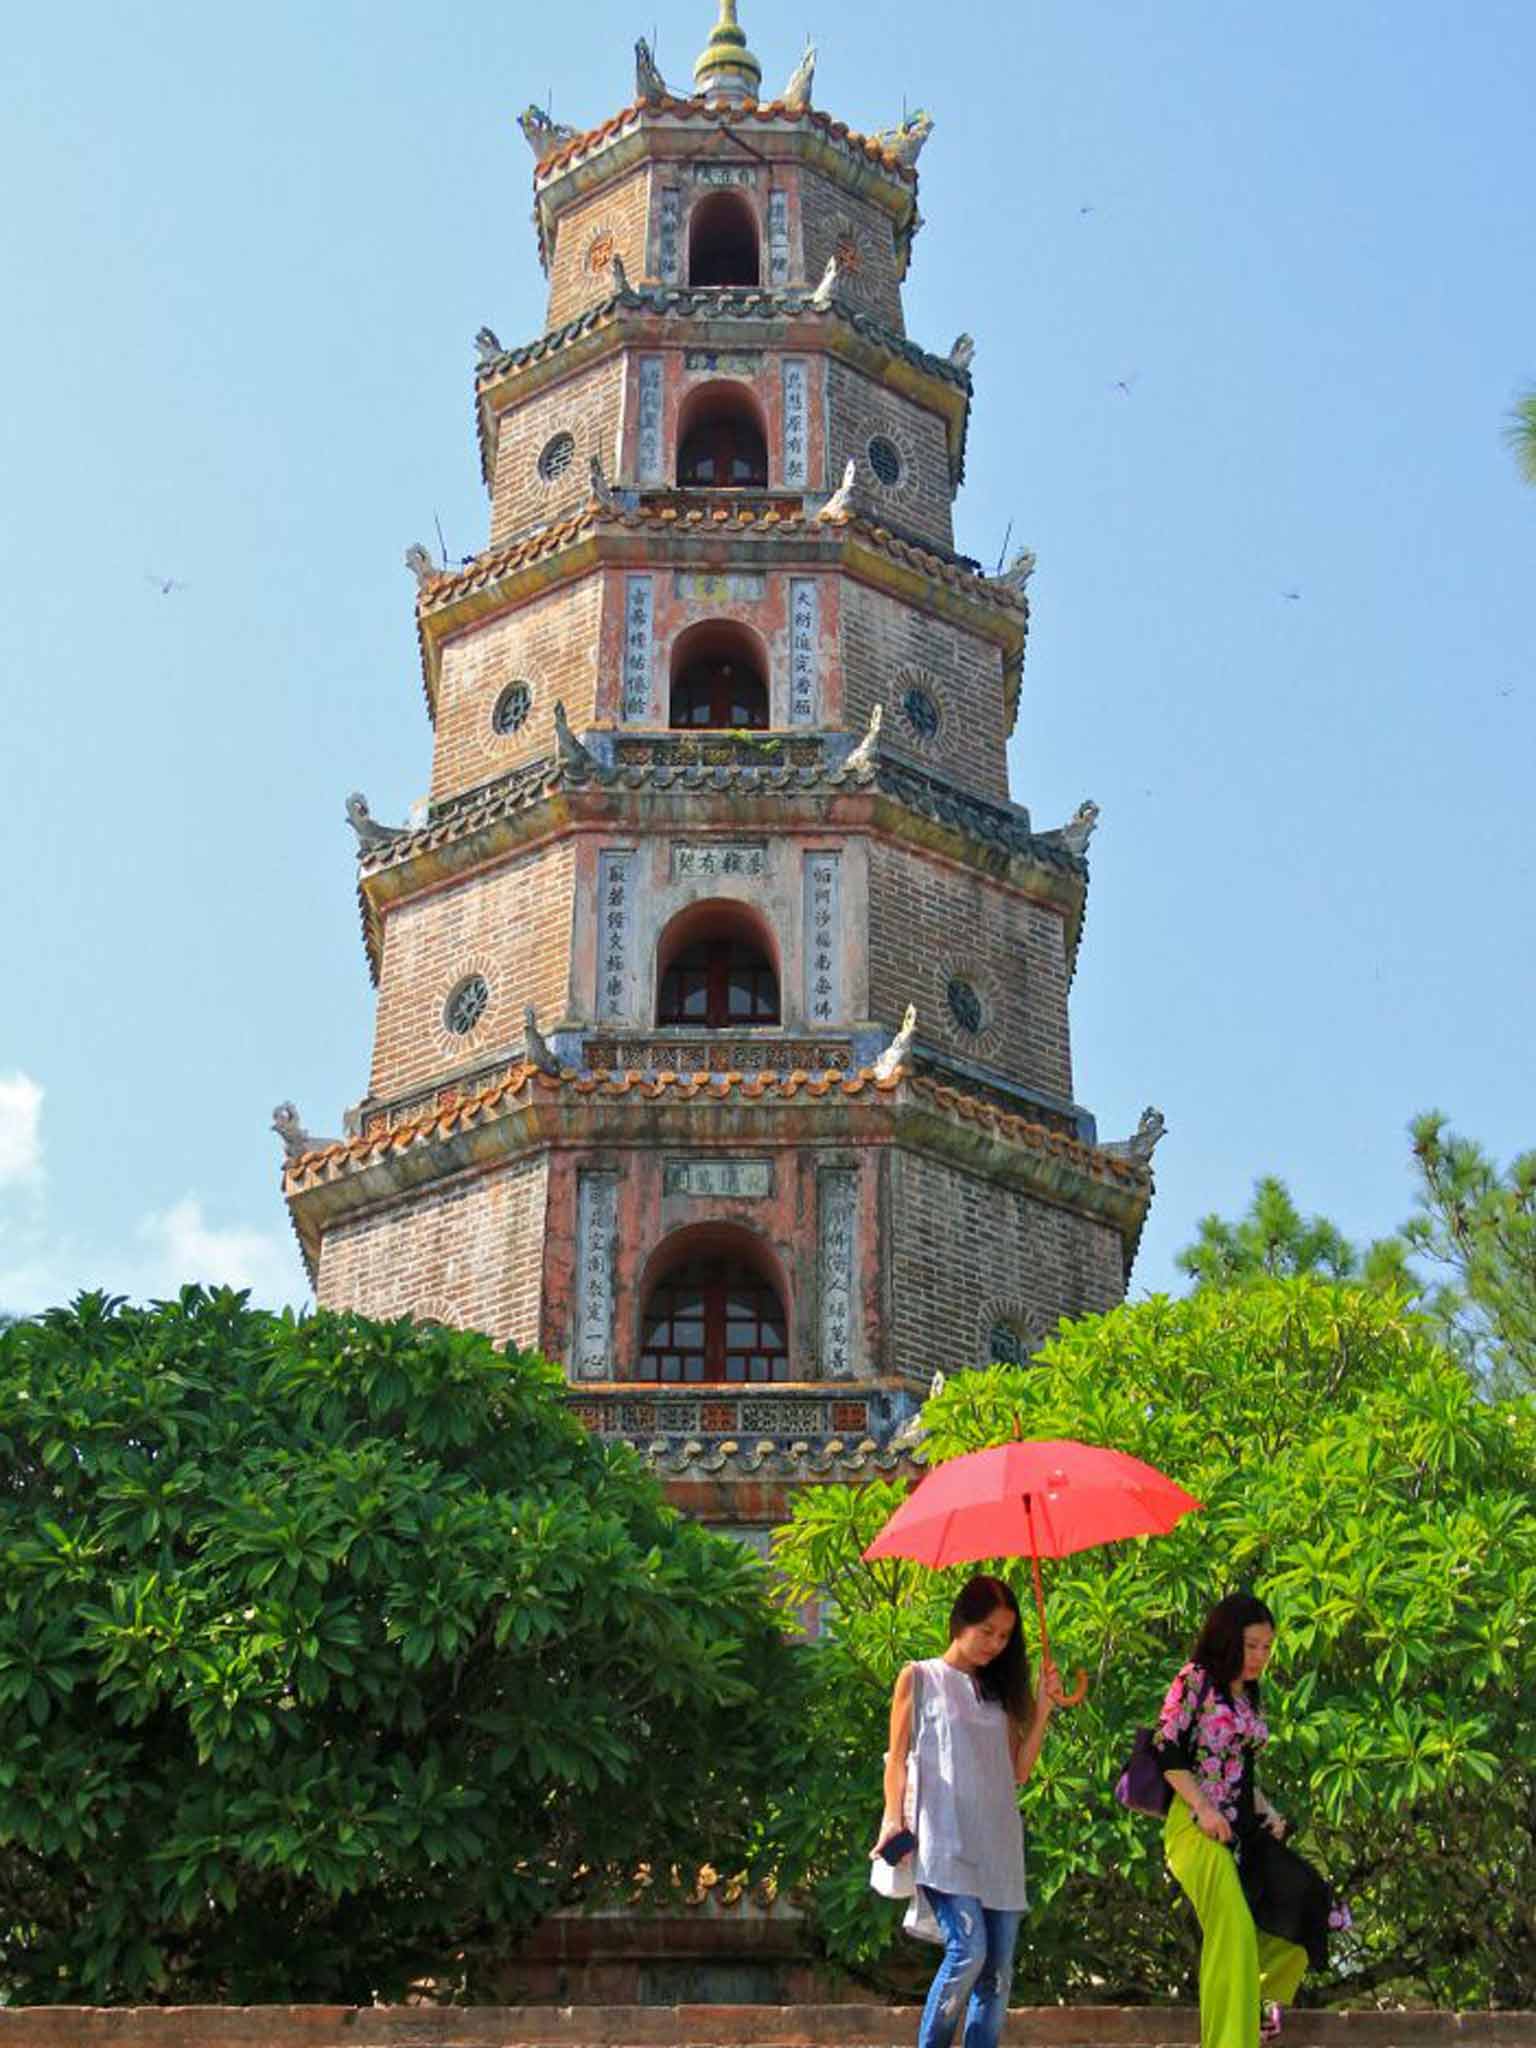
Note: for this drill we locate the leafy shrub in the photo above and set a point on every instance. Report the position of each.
(1354, 1477)
(336, 1653)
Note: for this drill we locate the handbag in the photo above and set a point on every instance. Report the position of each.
(898, 1880)
(1141, 1786)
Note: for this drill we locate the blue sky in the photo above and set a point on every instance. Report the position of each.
(245, 256)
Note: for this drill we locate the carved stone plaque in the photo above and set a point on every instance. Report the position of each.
(835, 1198)
(823, 941)
(615, 933)
(750, 1179)
(697, 586)
(597, 1204)
(741, 860)
(796, 419)
(649, 465)
(804, 664)
(639, 624)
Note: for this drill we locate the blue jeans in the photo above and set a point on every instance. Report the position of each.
(976, 1974)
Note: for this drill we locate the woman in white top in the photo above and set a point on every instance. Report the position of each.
(976, 1728)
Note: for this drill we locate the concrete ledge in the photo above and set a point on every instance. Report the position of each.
(705, 2026)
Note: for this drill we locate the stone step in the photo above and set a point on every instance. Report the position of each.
(706, 2026)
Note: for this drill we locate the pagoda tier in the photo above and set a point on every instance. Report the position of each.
(722, 1047)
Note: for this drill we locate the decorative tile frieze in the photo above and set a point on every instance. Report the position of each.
(718, 1055)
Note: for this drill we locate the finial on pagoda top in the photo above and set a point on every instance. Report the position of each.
(726, 69)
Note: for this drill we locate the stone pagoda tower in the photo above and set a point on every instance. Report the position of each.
(722, 1046)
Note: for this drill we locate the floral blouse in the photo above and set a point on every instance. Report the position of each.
(1202, 1729)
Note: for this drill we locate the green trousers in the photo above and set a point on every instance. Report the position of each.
(1240, 1968)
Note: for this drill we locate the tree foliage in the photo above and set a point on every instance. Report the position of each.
(1274, 1241)
(1355, 1477)
(1475, 1230)
(1467, 1257)
(1521, 429)
(336, 1653)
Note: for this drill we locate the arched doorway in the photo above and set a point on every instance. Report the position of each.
(722, 241)
(714, 1313)
(715, 970)
(721, 444)
(719, 679)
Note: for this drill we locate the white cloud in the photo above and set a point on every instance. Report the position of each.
(168, 1248)
(181, 1245)
(21, 1128)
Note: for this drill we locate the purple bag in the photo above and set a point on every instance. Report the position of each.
(1141, 1785)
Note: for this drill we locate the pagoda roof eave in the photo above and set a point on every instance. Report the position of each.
(776, 532)
(529, 1110)
(671, 126)
(887, 799)
(643, 315)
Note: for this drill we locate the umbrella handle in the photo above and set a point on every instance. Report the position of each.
(1079, 1692)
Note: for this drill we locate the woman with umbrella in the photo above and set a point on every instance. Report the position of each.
(974, 1728)
(1264, 1913)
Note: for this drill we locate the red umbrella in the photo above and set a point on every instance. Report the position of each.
(1042, 1498)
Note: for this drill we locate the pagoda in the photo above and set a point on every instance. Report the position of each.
(722, 1044)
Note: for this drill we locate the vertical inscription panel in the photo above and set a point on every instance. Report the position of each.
(639, 626)
(823, 943)
(795, 452)
(667, 236)
(804, 655)
(648, 457)
(616, 935)
(597, 1207)
(836, 1198)
(778, 238)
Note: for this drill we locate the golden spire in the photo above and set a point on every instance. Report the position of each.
(726, 69)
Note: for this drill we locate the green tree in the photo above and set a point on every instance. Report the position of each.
(1353, 1474)
(1476, 1231)
(334, 1654)
(1275, 1241)
(1521, 430)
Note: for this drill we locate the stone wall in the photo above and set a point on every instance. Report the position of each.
(611, 223)
(510, 927)
(932, 923)
(889, 648)
(468, 1254)
(551, 645)
(586, 406)
(966, 1255)
(831, 219)
(920, 502)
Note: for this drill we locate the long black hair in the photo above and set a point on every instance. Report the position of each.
(1006, 1678)
(1219, 1646)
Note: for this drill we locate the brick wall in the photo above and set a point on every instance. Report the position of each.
(830, 216)
(921, 501)
(551, 644)
(585, 406)
(469, 1254)
(965, 1253)
(612, 222)
(931, 922)
(887, 648)
(512, 927)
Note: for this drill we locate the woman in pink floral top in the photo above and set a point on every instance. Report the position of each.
(1264, 1913)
